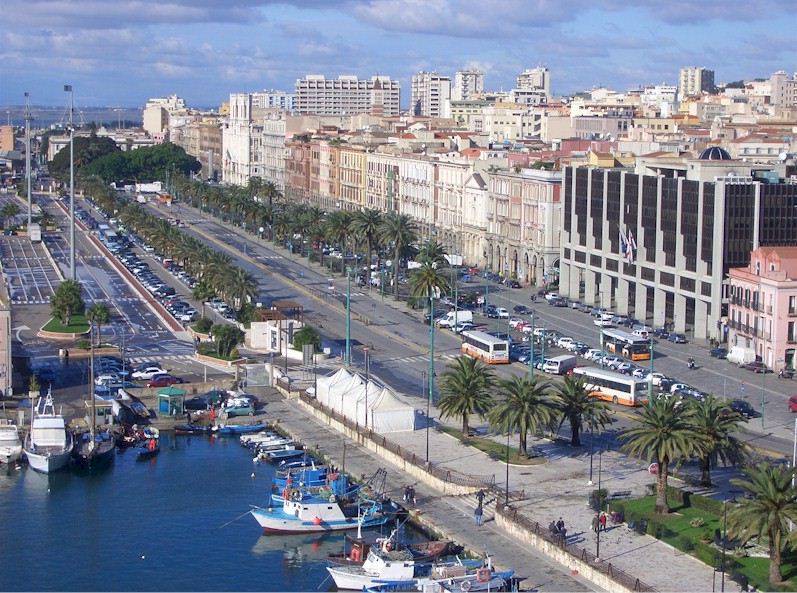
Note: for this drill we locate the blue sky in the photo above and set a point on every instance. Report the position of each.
(119, 52)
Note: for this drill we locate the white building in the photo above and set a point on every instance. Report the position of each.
(273, 100)
(694, 81)
(345, 95)
(157, 112)
(272, 147)
(238, 136)
(430, 95)
(783, 89)
(535, 79)
(467, 83)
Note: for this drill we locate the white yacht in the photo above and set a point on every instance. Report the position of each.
(10, 445)
(49, 445)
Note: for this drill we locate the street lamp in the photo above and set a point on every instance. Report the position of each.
(650, 378)
(367, 374)
(531, 351)
(348, 316)
(506, 496)
(431, 346)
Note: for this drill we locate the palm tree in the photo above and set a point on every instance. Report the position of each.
(525, 408)
(428, 282)
(367, 224)
(665, 433)
(767, 513)
(578, 407)
(9, 210)
(401, 231)
(465, 387)
(203, 292)
(241, 286)
(338, 231)
(433, 253)
(99, 315)
(717, 423)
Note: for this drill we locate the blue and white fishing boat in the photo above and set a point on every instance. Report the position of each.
(289, 452)
(236, 429)
(310, 476)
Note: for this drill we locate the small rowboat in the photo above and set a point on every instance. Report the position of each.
(150, 449)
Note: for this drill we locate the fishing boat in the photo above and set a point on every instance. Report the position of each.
(265, 437)
(49, 444)
(311, 476)
(10, 445)
(236, 429)
(191, 429)
(287, 453)
(429, 551)
(149, 449)
(484, 581)
(334, 508)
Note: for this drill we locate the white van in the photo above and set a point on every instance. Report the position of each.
(559, 365)
(452, 318)
(739, 355)
(642, 333)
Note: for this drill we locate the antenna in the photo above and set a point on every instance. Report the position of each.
(27, 156)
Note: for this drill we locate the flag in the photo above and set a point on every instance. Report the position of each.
(630, 245)
(623, 246)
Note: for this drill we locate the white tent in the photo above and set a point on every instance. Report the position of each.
(390, 414)
(325, 384)
(340, 394)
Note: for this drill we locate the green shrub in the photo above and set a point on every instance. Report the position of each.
(203, 325)
(706, 504)
(684, 543)
(83, 344)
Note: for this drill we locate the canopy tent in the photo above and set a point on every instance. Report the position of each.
(349, 394)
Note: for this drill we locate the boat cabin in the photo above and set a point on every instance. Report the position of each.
(104, 412)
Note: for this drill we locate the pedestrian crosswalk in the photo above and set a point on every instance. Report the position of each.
(162, 358)
(444, 356)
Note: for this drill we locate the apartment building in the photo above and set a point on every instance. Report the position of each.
(272, 149)
(346, 95)
(467, 84)
(273, 100)
(657, 242)
(763, 306)
(381, 182)
(328, 174)
(430, 95)
(783, 89)
(157, 112)
(694, 81)
(535, 79)
(202, 139)
(352, 172)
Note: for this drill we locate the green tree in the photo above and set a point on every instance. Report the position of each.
(87, 149)
(465, 388)
(664, 433)
(718, 424)
(400, 231)
(8, 211)
(525, 408)
(226, 337)
(367, 223)
(433, 253)
(99, 315)
(574, 403)
(307, 334)
(203, 292)
(149, 163)
(767, 512)
(428, 282)
(67, 301)
(241, 287)
(338, 230)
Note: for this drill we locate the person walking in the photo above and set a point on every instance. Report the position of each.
(480, 497)
(602, 521)
(560, 525)
(595, 523)
(478, 515)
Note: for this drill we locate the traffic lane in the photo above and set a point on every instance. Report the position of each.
(30, 276)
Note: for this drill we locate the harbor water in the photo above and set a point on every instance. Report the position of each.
(177, 522)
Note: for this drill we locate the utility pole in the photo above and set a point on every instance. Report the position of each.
(348, 316)
(367, 379)
(428, 411)
(72, 272)
(431, 348)
(531, 351)
(506, 496)
(650, 378)
(27, 158)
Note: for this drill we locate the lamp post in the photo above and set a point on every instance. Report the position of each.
(506, 496)
(348, 316)
(72, 271)
(431, 348)
(367, 375)
(428, 410)
(591, 450)
(531, 352)
(600, 467)
(650, 378)
(27, 158)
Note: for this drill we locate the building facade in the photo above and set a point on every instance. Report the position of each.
(535, 79)
(763, 306)
(467, 83)
(273, 100)
(345, 95)
(694, 81)
(430, 94)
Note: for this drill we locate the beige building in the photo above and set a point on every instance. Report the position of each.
(695, 81)
(352, 177)
(6, 138)
(346, 95)
(430, 94)
(467, 83)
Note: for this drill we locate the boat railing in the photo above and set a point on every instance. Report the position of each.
(627, 580)
(438, 471)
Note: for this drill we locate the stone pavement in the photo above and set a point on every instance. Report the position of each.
(452, 514)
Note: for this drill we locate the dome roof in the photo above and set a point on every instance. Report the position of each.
(715, 153)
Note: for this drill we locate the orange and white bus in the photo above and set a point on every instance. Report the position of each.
(632, 347)
(485, 347)
(613, 387)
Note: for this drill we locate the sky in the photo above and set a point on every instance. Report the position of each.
(120, 52)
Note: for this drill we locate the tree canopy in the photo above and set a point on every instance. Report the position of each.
(87, 150)
(149, 163)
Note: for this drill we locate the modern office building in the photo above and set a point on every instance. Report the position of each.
(430, 95)
(535, 79)
(467, 83)
(695, 81)
(346, 95)
(273, 100)
(657, 242)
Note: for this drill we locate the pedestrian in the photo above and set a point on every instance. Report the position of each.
(480, 497)
(478, 515)
(595, 523)
(602, 521)
(406, 493)
(412, 495)
(560, 525)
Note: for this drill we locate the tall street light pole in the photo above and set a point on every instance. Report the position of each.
(431, 349)
(348, 316)
(72, 271)
(367, 378)
(650, 378)
(27, 158)
(531, 351)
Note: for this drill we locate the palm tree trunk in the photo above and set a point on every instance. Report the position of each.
(465, 425)
(368, 265)
(705, 467)
(575, 432)
(774, 557)
(661, 489)
(523, 447)
(395, 273)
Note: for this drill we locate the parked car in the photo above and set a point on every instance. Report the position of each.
(564, 342)
(164, 380)
(600, 322)
(516, 323)
(678, 387)
(757, 367)
(147, 372)
(718, 353)
(521, 309)
(463, 326)
(793, 403)
(744, 408)
(502, 313)
(677, 338)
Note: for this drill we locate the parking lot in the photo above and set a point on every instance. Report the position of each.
(28, 271)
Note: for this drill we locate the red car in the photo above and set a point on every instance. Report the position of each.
(793, 403)
(164, 380)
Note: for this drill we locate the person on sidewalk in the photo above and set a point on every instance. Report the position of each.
(478, 515)
(560, 525)
(602, 521)
(595, 523)
(480, 497)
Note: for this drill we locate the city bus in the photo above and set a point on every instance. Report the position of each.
(613, 387)
(485, 347)
(626, 344)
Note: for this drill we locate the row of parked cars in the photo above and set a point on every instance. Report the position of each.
(111, 374)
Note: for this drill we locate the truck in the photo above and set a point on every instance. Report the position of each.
(35, 232)
(452, 318)
(560, 365)
(740, 355)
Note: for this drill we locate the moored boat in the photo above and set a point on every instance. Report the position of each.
(191, 429)
(236, 429)
(150, 449)
(49, 444)
(93, 451)
(10, 445)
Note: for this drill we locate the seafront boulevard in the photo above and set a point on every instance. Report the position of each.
(555, 488)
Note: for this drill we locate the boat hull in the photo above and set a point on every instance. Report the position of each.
(102, 455)
(10, 455)
(276, 523)
(49, 462)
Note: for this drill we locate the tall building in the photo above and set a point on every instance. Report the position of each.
(467, 83)
(157, 112)
(239, 137)
(430, 94)
(273, 100)
(6, 138)
(656, 243)
(783, 89)
(695, 81)
(345, 95)
(535, 79)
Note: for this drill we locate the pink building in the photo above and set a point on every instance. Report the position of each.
(763, 306)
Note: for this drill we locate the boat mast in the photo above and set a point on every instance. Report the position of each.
(91, 388)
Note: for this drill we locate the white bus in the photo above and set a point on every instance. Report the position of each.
(485, 347)
(613, 387)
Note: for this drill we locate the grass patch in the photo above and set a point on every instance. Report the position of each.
(210, 350)
(692, 530)
(495, 450)
(77, 325)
